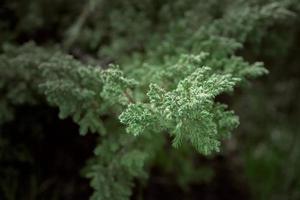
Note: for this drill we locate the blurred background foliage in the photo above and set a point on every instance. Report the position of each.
(41, 156)
(269, 142)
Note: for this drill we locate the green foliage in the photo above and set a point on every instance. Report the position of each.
(118, 160)
(19, 77)
(116, 86)
(75, 89)
(174, 60)
(188, 112)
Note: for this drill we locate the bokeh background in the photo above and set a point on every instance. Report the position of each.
(41, 156)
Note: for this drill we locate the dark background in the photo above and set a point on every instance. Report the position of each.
(41, 156)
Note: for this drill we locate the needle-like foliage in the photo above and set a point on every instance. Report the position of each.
(175, 58)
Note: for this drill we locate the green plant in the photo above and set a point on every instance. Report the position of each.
(157, 69)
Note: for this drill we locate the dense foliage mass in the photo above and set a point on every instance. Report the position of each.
(142, 75)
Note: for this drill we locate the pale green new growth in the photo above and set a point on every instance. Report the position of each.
(138, 117)
(188, 112)
(176, 58)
